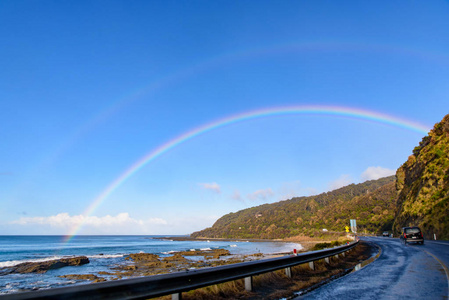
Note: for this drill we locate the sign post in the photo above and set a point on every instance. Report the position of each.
(353, 225)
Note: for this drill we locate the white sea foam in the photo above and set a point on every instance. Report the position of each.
(12, 263)
(106, 256)
(205, 249)
(169, 252)
(233, 246)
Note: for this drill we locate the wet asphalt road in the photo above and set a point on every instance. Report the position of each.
(409, 271)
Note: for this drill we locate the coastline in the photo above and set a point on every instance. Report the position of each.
(147, 264)
(119, 257)
(188, 238)
(306, 242)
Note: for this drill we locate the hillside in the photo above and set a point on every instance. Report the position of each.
(372, 203)
(417, 195)
(423, 185)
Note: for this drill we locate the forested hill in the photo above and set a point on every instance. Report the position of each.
(419, 196)
(423, 185)
(372, 203)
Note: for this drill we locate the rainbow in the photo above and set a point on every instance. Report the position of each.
(228, 58)
(289, 110)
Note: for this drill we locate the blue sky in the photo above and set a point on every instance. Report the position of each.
(89, 88)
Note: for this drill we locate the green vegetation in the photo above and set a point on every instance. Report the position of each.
(320, 246)
(423, 185)
(417, 196)
(371, 203)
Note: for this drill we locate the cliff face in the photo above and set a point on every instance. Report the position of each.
(423, 185)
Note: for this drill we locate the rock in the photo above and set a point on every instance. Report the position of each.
(214, 253)
(42, 267)
(91, 277)
(105, 273)
(138, 257)
(423, 185)
(176, 258)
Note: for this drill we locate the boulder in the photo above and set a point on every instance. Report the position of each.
(44, 266)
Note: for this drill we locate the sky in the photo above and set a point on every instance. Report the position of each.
(159, 117)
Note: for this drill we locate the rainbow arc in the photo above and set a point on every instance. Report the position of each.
(353, 113)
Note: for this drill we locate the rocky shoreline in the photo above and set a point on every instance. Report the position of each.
(306, 242)
(136, 264)
(141, 264)
(44, 266)
(148, 264)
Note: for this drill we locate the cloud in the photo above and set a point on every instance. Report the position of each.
(373, 173)
(211, 186)
(236, 196)
(120, 224)
(342, 181)
(261, 195)
(64, 223)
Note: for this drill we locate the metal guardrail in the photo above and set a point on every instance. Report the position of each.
(176, 283)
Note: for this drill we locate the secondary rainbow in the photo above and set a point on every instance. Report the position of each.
(307, 109)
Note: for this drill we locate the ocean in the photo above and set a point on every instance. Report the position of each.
(104, 253)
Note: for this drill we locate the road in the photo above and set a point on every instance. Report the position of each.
(401, 272)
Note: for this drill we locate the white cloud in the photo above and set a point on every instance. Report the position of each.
(122, 223)
(63, 223)
(342, 181)
(373, 173)
(236, 196)
(211, 186)
(261, 195)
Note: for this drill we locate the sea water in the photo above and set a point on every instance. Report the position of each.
(104, 252)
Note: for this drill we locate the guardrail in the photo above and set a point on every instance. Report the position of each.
(176, 283)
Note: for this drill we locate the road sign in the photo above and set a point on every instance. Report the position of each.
(353, 225)
(347, 228)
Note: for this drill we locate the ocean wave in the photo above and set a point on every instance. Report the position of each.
(169, 252)
(106, 256)
(205, 249)
(12, 263)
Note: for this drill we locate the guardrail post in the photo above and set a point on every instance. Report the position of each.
(288, 272)
(311, 265)
(177, 296)
(249, 283)
(326, 259)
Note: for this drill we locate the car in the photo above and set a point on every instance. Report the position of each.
(385, 233)
(412, 234)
